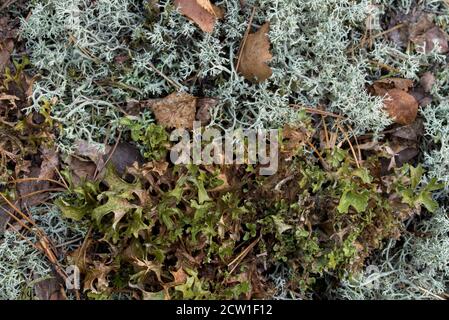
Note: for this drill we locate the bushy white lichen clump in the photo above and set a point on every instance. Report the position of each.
(19, 263)
(419, 269)
(437, 128)
(22, 265)
(92, 55)
(77, 45)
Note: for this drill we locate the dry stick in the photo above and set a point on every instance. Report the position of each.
(385, 66)
(45, 244)
(243, 254)
(317, 111)
(22, 236)
(83, 245)
(172, 82)
(109, 157)
(350, 144)
(245, 37)
(7, 3)
(326, 134)
(61, 177)
(22, 224)
(41, 191)
(44, 241)
(68, 242)
(356, 142)
(320, 157)
(37, 179)
(380, 34)
(23, 215)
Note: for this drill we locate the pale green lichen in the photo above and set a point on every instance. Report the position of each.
(22, 265)
(417, 269)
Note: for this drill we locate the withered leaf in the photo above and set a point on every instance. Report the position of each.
(49, 289)
(205, 4)
(424, 34)
(49, 164)
(82, 170)
(202, 12)
(6, 48)
(175, 111)
(204, 105)
(179, 276)
(255, 56)
(427, 81)
(401, 106)
(381, 87)
(96, 278)
(123, 156)
(411, 132)
(31, 190)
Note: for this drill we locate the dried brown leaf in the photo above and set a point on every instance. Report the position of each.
(49, 289)
(30, 191)
(82, 170)
(401, 106)
(205, 4)
(123, 156)
(204, 106)
(255, 56)
(96, 278)
(202, 12)
(179, 276)
(175, 111)
(49, 164)
(381, 87)
(427, 81)
(424, 34)
(6, 48)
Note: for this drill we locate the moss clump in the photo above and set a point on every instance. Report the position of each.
(220, 231)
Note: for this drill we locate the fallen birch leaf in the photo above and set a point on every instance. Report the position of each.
(255, 56)
(177, 110)
(401, 106)
(205, 4)
(202, 12)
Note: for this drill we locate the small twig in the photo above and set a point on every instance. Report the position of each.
(350, 144)
(320, 157)
(62, 179)
(172, 82)
(245, 37)
(385, 66)
(7, 4)
(317, 111)
(37, 179)
(242, 255)
(326, 133)
(23, 215)
(282, 182)
(22, 236)
(356, 142)
(44, 245)
(97, 171)
(21, 223)
(430, 293)
(40, 191)
(68, 242)
(380, 34)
